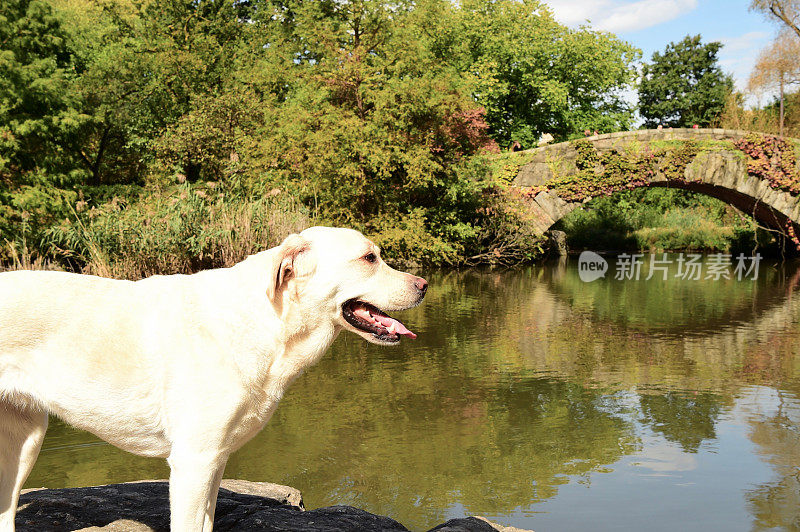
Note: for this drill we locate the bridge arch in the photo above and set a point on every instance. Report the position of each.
(758, 174)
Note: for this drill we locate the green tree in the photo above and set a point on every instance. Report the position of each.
(533, 74)
(684, 85)
(38, 113)
(365, 125)
(102, 90)
(177, 69)
(155, 80)
(36, 108)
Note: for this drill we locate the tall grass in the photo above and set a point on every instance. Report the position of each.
(183, 231)
(684, 229)
(22, 257)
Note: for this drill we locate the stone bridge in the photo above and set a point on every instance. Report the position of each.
(758, 174)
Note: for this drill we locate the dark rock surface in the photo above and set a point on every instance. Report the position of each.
(558, 242)
(466, 524)
(241, 505)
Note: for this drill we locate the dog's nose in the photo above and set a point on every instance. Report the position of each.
(421, 284)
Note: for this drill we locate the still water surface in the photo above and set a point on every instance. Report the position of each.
(539, 401)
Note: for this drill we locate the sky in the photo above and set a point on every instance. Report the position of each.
(652, 24)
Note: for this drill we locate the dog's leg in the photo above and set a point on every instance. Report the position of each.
(21, 433)
(208, 524)
(192, 483)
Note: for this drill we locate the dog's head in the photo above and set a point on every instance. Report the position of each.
(338, 274)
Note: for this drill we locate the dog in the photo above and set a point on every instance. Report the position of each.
(184, 367)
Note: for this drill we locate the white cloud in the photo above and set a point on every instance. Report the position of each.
(574, 12)
(744, 42)
(662, 457)
(620, 15)
(739, 54)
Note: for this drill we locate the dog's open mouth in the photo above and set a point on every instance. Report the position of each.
(371, 319)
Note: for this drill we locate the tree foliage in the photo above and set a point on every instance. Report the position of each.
(778, 67)
(684, 85)
(778, 64)
(38, 119)
(536, 76)
(36, 106)
(373, 114)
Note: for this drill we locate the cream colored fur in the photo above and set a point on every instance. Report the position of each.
(185, 367)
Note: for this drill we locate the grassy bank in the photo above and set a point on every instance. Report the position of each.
(136, 231)
(662, 219)
(180, 230)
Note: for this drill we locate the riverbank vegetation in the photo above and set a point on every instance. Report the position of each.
(163, 135)
(654, 219)
(142, 136)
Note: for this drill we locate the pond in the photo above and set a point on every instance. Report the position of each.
(540, 401)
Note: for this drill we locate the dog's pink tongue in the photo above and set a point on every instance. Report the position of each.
(394, 326)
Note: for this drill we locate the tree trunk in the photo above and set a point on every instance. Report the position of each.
(781, 119)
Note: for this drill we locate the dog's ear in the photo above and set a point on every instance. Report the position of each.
(283, 263)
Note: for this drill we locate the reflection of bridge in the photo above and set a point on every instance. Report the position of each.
(716, 168)
(713, 354)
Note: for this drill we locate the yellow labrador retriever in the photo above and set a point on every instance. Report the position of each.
(186, 367)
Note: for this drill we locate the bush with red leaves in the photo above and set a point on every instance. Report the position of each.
(773, 159)
(469, 132)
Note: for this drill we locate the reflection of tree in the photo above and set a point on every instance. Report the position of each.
(683, 418)
(777, 504)
(414, 441)
(714, 337)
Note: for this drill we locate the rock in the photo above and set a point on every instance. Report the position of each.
(241, 505)
(558, 242)
(469, 524)
(501, 528)
(284, 494)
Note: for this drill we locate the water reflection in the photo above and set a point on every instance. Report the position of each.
(775, 427)
(542, 401)
(683, 418)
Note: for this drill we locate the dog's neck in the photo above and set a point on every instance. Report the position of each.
(298, 341)
(284, 337)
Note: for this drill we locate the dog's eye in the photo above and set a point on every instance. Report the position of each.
(371, 258)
